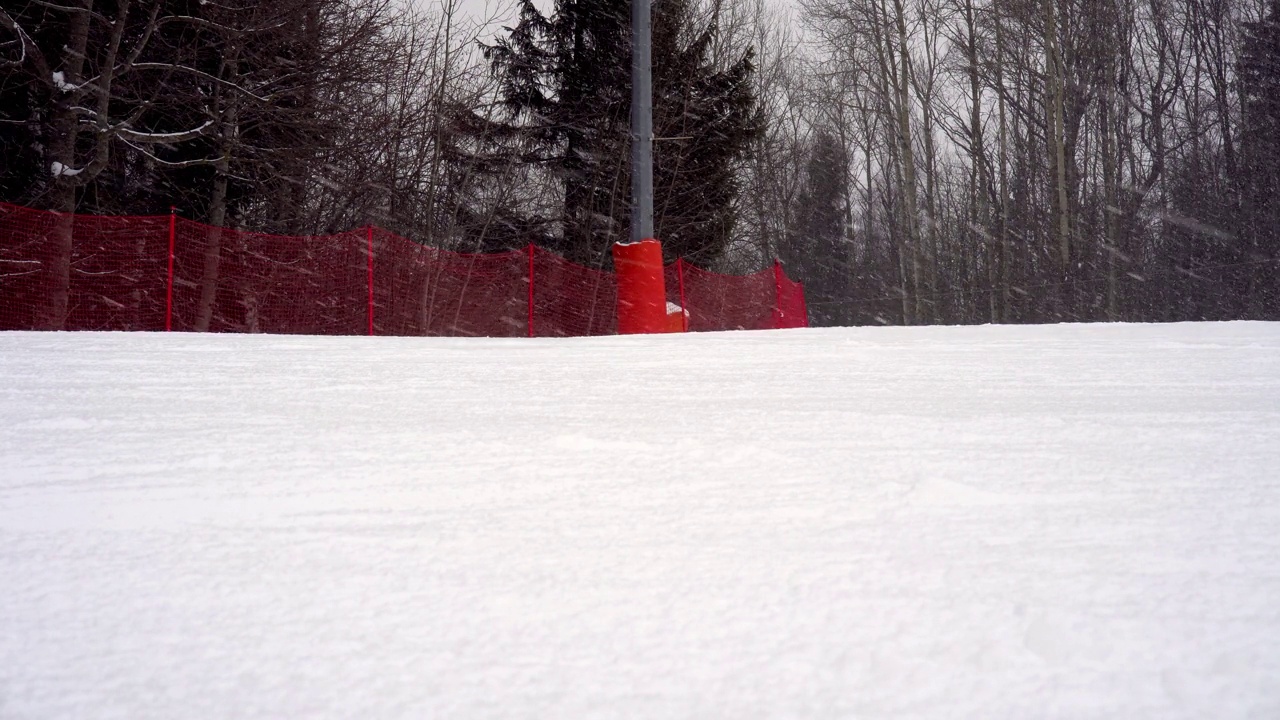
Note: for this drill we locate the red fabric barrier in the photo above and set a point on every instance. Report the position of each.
(420, 290)
(791, 311)
(157, 273)
(724, 302)
(571, 300)
(232, 281)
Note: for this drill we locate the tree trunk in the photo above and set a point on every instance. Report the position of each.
(908, 161)
(979, 208)
(1002, 270)
(60, 249)
(64, 129)
(1056, 79)
(209, 276)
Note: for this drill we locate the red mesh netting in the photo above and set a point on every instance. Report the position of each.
(570, 300)
(116, 280)
(230, 281)
(365, 281)
(723, 302)
(791, 311)
(420, 290)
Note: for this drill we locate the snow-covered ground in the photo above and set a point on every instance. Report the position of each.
(993, 522)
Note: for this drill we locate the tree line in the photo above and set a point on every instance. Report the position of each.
(910, 161)
(1041, 160)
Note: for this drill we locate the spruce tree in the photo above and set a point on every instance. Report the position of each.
(816, 251)
(565, 86)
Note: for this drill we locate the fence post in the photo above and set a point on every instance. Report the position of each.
(168, 295)
(684, 309)
(370, 280)
(777, 294)
(530, 250)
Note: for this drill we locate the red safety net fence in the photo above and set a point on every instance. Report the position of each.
(166, 273)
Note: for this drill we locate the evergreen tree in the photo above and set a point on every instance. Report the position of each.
(816, 251)
(565, 84)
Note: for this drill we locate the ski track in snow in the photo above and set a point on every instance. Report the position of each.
(991, 522)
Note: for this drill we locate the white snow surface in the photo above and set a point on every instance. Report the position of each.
(989, 522)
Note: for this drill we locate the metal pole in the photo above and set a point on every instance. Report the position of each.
(642, 295)
(641, 123)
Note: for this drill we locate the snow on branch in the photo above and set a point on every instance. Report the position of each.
(156, 138)
(60, 82)
(219, 26)
(199, 73)
(60, 170)
(169, 163)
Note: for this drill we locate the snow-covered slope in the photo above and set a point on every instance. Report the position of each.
(993, 522)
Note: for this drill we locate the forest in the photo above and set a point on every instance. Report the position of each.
(910, 161)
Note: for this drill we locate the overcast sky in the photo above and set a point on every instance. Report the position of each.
(492, 13)
(496, 13)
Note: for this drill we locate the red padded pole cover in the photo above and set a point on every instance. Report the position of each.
(642, 294)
